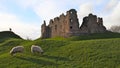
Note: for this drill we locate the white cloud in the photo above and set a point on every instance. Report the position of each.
(111, 4)
(114, 17)
(26, 3)
(47, 9)
(84, 10)
(19, 27)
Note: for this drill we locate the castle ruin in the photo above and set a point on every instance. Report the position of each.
(68, 25)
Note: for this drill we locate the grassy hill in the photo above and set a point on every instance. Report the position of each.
(92, 51)
(4, 35)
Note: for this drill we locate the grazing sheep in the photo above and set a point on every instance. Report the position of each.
(17, 49)
(36, 49)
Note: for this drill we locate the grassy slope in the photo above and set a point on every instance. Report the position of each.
(75, 52)
(4, 35)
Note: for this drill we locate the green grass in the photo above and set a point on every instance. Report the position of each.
(4, 35)
(92, 51)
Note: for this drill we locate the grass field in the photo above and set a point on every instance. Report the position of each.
(92, 51)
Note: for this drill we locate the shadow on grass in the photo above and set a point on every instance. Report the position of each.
(106, 35)
(37, 61)
(56, 58)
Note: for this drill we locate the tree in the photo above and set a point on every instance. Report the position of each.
(115, 28)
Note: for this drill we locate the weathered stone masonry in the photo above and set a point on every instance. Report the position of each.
(68, 25)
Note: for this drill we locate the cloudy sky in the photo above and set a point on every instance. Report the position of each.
(26, 16)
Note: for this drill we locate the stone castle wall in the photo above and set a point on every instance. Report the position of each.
(68, 25)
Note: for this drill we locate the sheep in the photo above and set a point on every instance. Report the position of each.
(17, 49)
(36, 49)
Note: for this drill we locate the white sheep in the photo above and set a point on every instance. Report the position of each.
(17, 49)
(36, 49)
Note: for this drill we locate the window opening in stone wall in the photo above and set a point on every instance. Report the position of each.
(97, 20)
(71, 20)
(55, 27)
(71, 12)
(71, 27)
(52, 22)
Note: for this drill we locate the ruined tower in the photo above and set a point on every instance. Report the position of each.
(72, 24)
(68, 25)
(45, 31)
(92, 24)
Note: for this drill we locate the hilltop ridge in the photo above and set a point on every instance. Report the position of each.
(4, 35)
